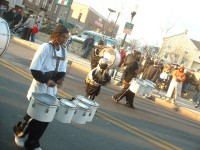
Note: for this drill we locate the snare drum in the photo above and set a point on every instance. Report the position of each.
(42, 107)
(65, 111)
(137, 87)
(93, 105)
(82, 112)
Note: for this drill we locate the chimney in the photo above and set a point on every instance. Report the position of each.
(186, 31)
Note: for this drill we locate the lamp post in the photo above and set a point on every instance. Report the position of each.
(113, 30)
(110, 11)
(132, 16)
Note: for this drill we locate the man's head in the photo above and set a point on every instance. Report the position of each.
(103, 63)
(60, 34)
(121, 49)
(181, 69)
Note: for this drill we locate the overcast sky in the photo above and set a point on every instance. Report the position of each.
(153, 17)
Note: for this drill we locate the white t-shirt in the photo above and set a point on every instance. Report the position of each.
(44, 61)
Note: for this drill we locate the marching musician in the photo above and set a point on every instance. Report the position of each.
(95, 55)
(131, 72)
(48, 69)
(97, 77)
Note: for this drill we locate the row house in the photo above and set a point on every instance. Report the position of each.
(180, 49)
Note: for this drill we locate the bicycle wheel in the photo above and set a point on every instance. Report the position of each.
(4, 36)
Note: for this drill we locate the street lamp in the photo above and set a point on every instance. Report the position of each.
(132, 16)
(110, 11)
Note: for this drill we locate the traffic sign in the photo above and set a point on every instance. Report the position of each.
(128, 28)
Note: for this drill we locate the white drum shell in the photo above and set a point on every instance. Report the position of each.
(93, 105)
(4, 36)
(137, 87)
(81, 114)
(149, 86)
(65, 113)
(40, 111)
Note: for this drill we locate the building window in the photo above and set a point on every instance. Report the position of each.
(44, 3)
(56, 8)
(37, 2)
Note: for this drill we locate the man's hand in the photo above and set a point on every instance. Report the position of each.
(59, 83)
(51, 83)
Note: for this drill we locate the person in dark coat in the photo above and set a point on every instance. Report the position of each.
(8, 16)
(89, 47)
(190, 79)
(153, 72)
(17, 18)
(130, 73)
(196, 97)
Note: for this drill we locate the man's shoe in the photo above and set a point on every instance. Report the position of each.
(129, 105)
(19, 141)
(114, 99)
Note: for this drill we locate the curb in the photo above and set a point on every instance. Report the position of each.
(183, 111)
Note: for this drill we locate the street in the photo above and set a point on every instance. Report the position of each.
(114, 127)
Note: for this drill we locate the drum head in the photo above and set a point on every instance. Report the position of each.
(68, 103)
(85, 100)
(45, 98)
(4, 36)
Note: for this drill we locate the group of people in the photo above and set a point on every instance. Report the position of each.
(18, 22)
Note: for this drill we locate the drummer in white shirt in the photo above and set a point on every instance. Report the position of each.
(46, 77)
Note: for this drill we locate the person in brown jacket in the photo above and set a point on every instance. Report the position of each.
(176, 84)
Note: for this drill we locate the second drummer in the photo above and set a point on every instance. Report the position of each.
(130, 73)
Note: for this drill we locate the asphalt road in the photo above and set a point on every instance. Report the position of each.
(114, 127)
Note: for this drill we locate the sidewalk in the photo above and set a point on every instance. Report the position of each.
(182, 106)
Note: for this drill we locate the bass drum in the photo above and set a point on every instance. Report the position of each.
(4, 36)
(113, 56)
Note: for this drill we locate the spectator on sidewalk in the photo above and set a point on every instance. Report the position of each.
(96, 78)
(17, 18)
(89, 47)
(196, 97)
(190, 79)
(153, 72)
(30, 22)
(85, 43)
(174, 90)
(9, 16)
(102, 41)
(34, 31)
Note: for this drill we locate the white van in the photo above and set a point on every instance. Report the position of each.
(80, 38)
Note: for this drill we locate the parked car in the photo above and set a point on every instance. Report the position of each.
(80, 38)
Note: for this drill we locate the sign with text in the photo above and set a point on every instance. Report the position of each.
(128, 28)
(65, 3)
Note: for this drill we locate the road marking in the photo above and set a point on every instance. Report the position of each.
(136, 131)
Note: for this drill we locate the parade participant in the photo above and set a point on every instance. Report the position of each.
(131, 72)
(97, 77)
(176, 84)
(95, 55)
(48, 69)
